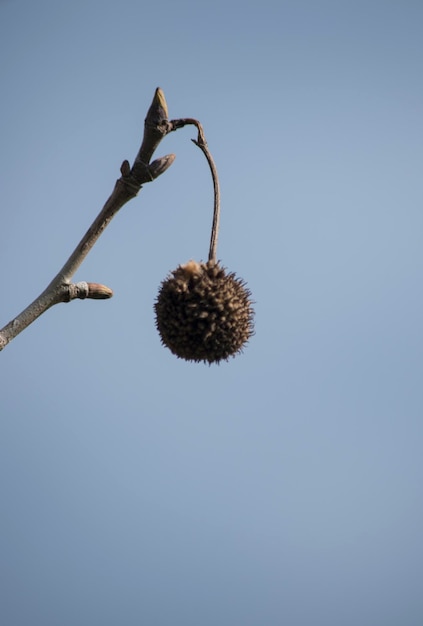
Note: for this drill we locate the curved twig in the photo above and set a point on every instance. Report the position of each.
(202, 144)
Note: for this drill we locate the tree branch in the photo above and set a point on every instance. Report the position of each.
(61, 289)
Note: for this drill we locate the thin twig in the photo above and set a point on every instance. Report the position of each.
(202, 144)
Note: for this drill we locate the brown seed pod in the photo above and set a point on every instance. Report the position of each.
(203, 313)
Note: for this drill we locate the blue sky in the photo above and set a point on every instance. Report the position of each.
(281, 487)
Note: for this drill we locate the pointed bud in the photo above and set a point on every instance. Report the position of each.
(160, 165)
(157, 113)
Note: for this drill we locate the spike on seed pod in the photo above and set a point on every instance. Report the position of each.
(204, 313)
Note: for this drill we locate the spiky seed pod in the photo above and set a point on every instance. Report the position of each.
(203, 313)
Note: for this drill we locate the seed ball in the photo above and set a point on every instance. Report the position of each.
(203, 313)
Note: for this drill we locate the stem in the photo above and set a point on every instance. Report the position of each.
(202, 144)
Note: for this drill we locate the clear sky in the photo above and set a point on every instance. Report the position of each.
(281, 487)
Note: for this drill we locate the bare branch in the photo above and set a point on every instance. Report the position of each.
(61, 289)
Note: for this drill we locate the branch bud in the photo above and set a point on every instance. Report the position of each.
(157, 113)
(99, 292)
(157, 167)
(84, 290)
